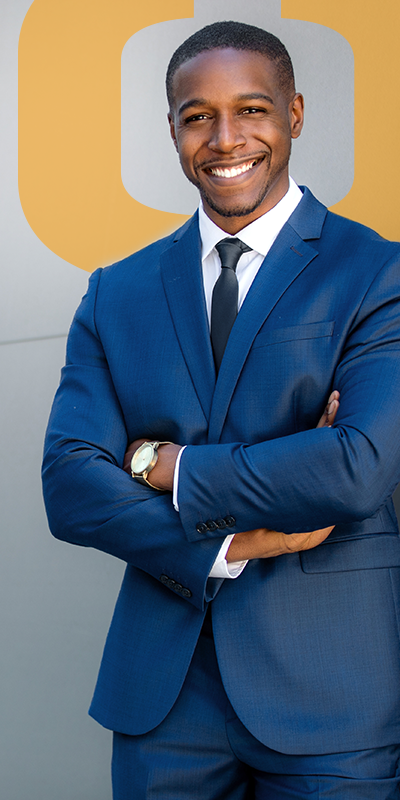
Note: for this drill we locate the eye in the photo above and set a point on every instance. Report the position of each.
(195, 118)
(253, 110)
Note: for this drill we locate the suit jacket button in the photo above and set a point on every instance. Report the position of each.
(186, 593)
(170, 583)
(178, 588)
(211, 525)
(230, 521)
(164, 578)
(201, 527)
(221, 524)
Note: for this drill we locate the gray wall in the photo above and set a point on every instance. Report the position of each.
(57, 600)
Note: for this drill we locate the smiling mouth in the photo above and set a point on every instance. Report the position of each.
(232, 172)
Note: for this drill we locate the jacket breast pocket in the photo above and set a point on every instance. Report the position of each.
(293, 333)
(380, 551)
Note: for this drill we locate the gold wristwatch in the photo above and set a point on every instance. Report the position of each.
(144, 460)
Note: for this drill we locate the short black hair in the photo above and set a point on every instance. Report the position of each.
(239, 36)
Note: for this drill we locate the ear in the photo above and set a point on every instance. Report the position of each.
(172, 130)
(296, 111)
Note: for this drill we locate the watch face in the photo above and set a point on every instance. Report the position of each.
(142, 458)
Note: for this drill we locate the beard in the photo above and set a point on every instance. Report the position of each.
(240, 210)
(234, 211)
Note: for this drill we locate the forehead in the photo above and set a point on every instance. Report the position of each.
(218, 75)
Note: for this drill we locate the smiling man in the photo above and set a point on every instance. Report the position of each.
(254, 650)
(232, 121)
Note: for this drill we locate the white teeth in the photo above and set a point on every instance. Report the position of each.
(233, 171)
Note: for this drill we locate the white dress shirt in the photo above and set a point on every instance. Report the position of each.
(259, 236)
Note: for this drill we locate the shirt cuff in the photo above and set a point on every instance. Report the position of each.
(176, 479)
(221, 568)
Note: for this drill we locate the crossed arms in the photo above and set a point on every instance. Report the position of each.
(351, 468)
(258, 543)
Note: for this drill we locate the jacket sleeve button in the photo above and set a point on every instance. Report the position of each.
(220, 523)
(211, 525)
(186, 593)
(164, 578)
(178, 588)
(230, 521)
(201, 527)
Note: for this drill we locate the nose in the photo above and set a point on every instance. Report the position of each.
(226, 135)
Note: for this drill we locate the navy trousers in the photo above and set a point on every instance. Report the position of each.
(201, 751)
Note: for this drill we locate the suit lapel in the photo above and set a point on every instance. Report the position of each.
(288, 257)
(183, 286)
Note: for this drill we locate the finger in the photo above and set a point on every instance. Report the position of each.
(294, 542)
(330, 411)
(297, 541)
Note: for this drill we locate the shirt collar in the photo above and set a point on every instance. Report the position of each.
(261, 233)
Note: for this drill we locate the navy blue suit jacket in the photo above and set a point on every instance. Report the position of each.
(308, 644)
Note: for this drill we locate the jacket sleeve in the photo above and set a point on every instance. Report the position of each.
(319, 477)
(89, 499)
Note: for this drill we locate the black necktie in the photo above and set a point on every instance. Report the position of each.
(224, 307)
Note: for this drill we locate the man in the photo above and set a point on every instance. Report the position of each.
(289, 686)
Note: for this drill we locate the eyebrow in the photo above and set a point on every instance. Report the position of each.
(198, 102)
(255, 96)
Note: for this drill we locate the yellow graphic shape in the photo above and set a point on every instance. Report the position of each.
(70, 110)
(373, 31)
(70, 128)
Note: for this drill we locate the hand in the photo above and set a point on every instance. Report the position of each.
(162, 475)
(328, 417)
(265, 543)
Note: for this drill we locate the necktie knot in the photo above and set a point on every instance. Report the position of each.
(230, 250)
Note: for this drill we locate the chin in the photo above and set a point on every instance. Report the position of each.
(234, 209)
(237, 206)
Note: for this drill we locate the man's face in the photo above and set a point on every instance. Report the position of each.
(232, 126)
